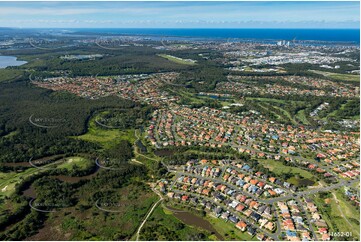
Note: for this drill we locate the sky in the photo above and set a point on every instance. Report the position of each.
(185, 14)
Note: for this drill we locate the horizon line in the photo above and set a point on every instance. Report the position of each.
(326, 28)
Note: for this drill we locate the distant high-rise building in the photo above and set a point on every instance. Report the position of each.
(283, 43)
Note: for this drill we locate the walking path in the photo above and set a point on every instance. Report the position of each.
(341, 212)
(149, 213)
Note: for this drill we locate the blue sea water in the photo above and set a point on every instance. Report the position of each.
(339, 35)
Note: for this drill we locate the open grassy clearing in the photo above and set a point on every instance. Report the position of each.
(80, 162)
(322, 208)
(191, 98)
(338, 76)
(207, 153)
(284, 117)
(187, 95)
(228, 230)
(106, 137)
(149, 159)
(278, 168)
(223, 101)
(279, 117)
(301, 116)
(267, 100)
(356, 185)
(339, 214)
(287, 114)
(10, 74)
(177, 60)
(352, 221)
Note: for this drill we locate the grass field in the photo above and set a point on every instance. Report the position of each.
(177, 60)
(340, 214)
(229, 231)
(286, 114)
(278, 168)
(352, 221)
(279, 117)
(81, 162)
(267, 100)
(207, 153)
(10, 74)
(338, 76)
(321, 205)
(301, 116)
(223, 102)
(106, 137)
(189, 96)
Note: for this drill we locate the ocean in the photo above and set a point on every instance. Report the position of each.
(337, 35)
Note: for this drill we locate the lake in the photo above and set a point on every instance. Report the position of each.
(6, 61)
(194, 220)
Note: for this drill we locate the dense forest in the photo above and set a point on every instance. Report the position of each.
(127, 60)
(66, 115)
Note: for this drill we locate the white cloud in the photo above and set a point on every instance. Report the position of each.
(72, 11)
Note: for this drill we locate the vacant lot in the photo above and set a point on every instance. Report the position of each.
(339, 214)
(278, 168)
